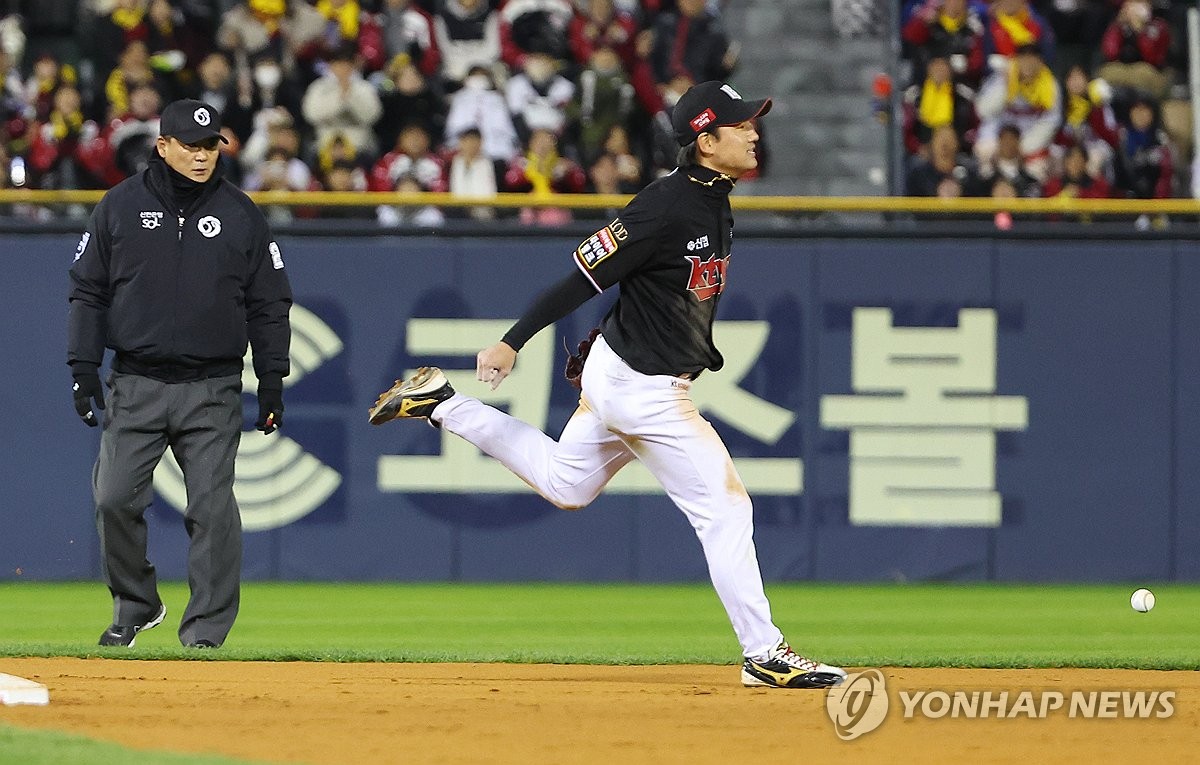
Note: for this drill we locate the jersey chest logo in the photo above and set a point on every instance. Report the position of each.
(707, 277)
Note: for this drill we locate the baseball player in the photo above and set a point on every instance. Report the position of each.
(669, 252)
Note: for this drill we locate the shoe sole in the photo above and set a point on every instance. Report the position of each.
(157, 620)
(417, 385)
(808, 680)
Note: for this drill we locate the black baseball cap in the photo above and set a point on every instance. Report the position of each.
(190, 121)
(710, 105)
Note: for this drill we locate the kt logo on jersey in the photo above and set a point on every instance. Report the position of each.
(707, 277)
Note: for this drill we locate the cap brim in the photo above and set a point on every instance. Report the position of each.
(196, 136)
(746, 111)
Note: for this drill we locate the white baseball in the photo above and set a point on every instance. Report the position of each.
(1142, 600)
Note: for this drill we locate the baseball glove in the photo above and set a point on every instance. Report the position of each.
(574, 369)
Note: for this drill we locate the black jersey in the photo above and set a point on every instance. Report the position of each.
(669, 252)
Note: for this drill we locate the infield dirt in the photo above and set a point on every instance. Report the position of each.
(518, 713)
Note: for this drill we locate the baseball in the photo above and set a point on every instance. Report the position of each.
(1142, 600)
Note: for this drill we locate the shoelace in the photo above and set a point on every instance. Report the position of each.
(785, 654)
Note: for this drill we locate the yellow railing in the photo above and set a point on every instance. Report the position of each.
(780, 204)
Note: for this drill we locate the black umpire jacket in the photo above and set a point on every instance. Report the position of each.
(179, 294)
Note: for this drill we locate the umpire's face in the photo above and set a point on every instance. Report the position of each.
(195, 161)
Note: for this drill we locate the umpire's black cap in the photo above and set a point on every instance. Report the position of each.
(710, 105)
(190, 121)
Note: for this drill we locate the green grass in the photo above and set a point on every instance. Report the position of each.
(30, 747)
(856, 625)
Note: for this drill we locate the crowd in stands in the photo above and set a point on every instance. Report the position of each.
(469, 97)
(1077, 98)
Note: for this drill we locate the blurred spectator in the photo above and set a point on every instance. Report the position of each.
(1075, 181)
(426, 216)
(282, 170)
(344, 25)
(15, 108)
(47, 75)
(473, 173)
(604, 177)
(131, 136)
(1078, 26)
(1143, 163)
(412, 157)
(173, 47)
(1135, 49)
(58, 155)
(478, 105)
(950, 30)
(256, 26)
(691, 41)
(936, 102)
(346, 177)
(124, 22)
(272, 85)
(1014, 24)
(629, 167)
(538, 95)
(341, 102)
(944, 162)
(133, 71)
(534, 26)
(603, 99)
(218, 89)
(407, 99)
(272, 127)
(467, 34)
(227, 158)
(602, 25)
(543, 171)
(338, 150)
(1088, 120)
(408, 31)
(1025, 95)
(1009, 163)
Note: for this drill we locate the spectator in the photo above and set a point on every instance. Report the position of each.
(542, 171)
(1012, 25)
(424, 216)
(173, 48)
(1078, 27)
(15, 110)
(47, 75)
(604, 99)
(345, 177)
(538, 95)
(534, 26)
(936, 102)
(281, 171)
(1075, 181)
(344, 25)
(272, 127)
(411, 157)
(407, 99)
(629, 167)
(1135, 49)
(1144, 168)
(472, 173)
(604, 177)
(341, 102)
(944, 162)
(218, 89)
(1008, 162)
(58, 153)
(477, 105)
(114, 30)
(602, 26)
(408, 31)
(132, 136)
(272, 85)
(691, 41)
(132, 71)
(467, 34)
(253, 27)
(950, 30)
(1026, 95)
(1088, 121)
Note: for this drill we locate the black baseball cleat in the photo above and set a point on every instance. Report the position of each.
(415, 397)
(202, 643)
(125, 634)
(784, 668)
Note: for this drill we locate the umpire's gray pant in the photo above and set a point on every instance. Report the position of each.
(202, 423)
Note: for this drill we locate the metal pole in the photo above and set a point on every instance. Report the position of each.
(1193, 28)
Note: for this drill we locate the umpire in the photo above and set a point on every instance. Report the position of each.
(176, 272)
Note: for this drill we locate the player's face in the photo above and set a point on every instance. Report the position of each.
(195, 161)
(733, 149)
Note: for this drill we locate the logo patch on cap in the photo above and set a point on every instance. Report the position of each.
(201, 117)
(702, 120)
(731, 93)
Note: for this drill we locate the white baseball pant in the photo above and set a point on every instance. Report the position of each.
(622, 415)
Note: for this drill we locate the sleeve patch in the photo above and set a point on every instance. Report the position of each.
(601, 244)
(83, 243)
(276, 256)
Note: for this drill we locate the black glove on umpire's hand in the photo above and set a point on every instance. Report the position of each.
(87, 387)
(270, 403)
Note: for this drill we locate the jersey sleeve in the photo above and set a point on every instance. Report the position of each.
(91, 292)
(624, 245)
